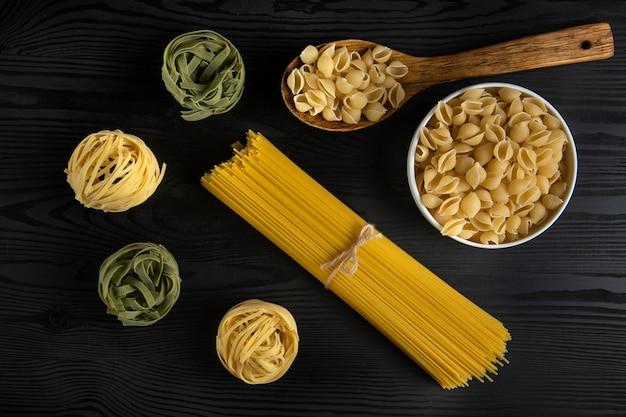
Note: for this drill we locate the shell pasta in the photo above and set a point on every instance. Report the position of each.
(449, 336)
(489, 165)
(343, 85)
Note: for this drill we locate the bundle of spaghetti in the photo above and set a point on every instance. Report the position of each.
(448, 335)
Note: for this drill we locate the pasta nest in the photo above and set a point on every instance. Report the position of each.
(113, 171)
(204, 72)
(257, 341)
(139, 283)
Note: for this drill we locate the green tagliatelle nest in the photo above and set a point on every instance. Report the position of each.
(204, 72)
(139, 283)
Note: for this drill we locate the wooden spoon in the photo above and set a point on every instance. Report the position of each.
(567, 46)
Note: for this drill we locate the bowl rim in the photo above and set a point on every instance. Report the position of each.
(572, 173)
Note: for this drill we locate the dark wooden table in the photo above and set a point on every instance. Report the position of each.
(70, 68)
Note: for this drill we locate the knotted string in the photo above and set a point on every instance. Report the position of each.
(348, 261)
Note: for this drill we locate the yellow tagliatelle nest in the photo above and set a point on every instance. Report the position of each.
(139, 283)
(113, 171)
(257, 341)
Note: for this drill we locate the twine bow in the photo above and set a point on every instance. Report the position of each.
(348, 261)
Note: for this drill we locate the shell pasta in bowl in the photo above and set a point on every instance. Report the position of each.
(492, 165)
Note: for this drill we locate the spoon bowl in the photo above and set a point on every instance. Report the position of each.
(566, 46)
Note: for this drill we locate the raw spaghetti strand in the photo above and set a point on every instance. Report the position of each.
(440, 329)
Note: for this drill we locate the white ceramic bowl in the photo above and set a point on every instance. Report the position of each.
(569, 160)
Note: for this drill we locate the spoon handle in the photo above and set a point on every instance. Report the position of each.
(566, 46)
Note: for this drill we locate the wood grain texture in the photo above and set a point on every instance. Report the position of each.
(69, 68)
